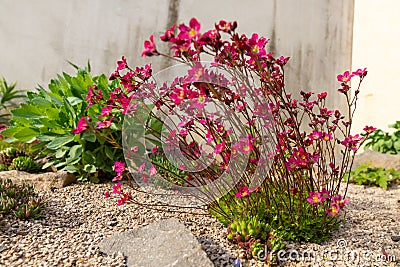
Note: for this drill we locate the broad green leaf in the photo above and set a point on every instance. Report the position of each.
(48, 164)
(74, 100)
(26, 113)
(60, 153)
(60, 141)
(109, 152)
(89, 168)
(71, 168)
(88, 137)
(26, 134)
(76, 151)
(11, 131)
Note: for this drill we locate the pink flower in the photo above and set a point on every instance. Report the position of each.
(315, 135)
(257, 45)
(369, 129)
(149, 48)
(282, 60)
(169, 34)
(360, 72)
(226, 26)
(153, 170)
(141, 167)
(107, 194)
(123, 199)
(322, 95)
(293, 190)
(135, 149)
(104, 124)
(324, 195)
(327, 136)
(119, 167)
(244, 145)
(106, 111)
(313, 198)
(219, 148)
(333, 210)
(82, 126)
(352, 141)
(184, 132)
(117, 189)
(340, 201)
(345, 77)
(243, 192)
(191, 32)
(121, 64)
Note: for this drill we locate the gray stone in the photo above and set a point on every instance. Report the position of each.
(377, 159)
(42, 181)
(395, 238)
(163, 243)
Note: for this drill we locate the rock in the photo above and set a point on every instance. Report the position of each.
(395, 238)
(163, 243)
(377, 159)
(41, 181)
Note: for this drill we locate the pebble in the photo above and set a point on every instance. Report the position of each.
(78, 218)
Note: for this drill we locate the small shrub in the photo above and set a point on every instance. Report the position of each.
(367, 175)
(385, 142)
(19, 200)
(49, 120)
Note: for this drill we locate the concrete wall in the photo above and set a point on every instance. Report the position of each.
(376, 46)
(37, 37)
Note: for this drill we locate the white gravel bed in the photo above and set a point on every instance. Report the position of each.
(78, 218)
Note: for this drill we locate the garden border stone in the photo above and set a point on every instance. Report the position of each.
(377, 159)
(163, 243)
(43, 181)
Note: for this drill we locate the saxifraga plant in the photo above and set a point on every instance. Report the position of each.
(288, 147)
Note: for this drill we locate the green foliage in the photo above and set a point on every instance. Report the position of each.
(19, 200)
(24, 164)
(309, 223)
(367, 175)
(168, 170)
(253, 235)
(7, 95)
(385, 142)
(48, 118)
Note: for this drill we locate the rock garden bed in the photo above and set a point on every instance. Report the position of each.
(77, 219)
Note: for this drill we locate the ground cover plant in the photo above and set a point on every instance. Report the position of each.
(282, 160)
(378, 176)
(19, 201)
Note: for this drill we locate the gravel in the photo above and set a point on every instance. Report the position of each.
(77, 218)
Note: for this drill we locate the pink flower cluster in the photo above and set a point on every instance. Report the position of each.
(117, 190)
(244, 191)
(119, 168)
(337, 202)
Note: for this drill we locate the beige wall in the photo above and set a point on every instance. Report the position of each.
(376, 46)
(37, 37)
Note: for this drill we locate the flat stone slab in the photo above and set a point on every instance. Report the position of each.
(41, 181)
(377, 159)
(163, 243)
